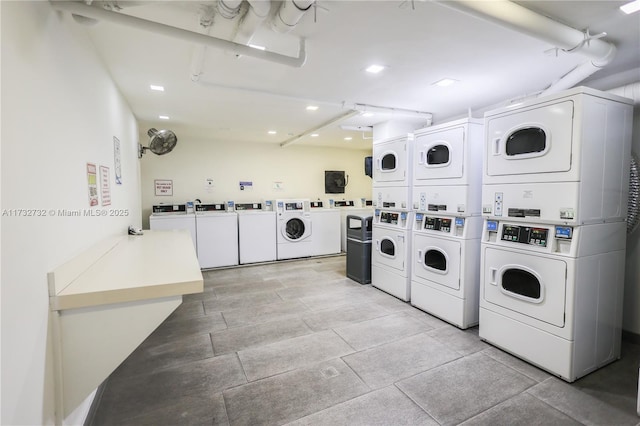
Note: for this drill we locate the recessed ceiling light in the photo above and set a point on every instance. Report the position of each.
(272, 132)
(629, 8)
(156, 88)
(367, 114)
(163, 117)
(445, 82)
(314, 135)
(374, 69)
(312, 108)
(256, 46)
(348, 138)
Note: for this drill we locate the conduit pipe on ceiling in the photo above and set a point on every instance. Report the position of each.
(205, 20)
(228, 9)
(523, 20)
(631, 91)
(180, 34)
(290, 12)
(334, 120)
(257, 13)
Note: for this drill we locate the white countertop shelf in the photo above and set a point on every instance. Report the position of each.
(128, 268)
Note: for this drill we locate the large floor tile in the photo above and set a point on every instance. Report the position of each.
(319, 288)
(517, 364)
(257, 286)
(522, 410)
(581, 406)
(239, 338)
(238, 301)
(286, 355)
(464, 388)
(150, 357)
(381, 330)
(342, 316)
(386, 406)
(386, 364)
(290, 396)
(169, 331)
(464, 341)
(193, 385)
(264, 313)
(341, 297)
(186, 310)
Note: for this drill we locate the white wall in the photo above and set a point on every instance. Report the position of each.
(60, 110)
(299, 168)
(631, 313)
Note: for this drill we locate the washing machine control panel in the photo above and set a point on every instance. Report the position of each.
(389, 217)
(437, 224)
(525, 235)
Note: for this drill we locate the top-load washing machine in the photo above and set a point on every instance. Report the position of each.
(293, 225)
(326, 229)
(552, 294)
(166, 217)
(257, 238)
(392, 161)
(447, 168)
(559, 159)
(391, 252)
(217, 231)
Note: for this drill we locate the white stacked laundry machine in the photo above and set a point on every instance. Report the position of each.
(447, 176)
(554, 198)
(393, 216)
(326, 227)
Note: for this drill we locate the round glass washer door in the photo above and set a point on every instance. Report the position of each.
(295, 229)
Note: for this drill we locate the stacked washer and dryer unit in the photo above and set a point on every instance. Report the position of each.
(554, 198)
(393, 216)
(447, 176)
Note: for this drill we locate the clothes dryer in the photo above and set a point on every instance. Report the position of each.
(391, 252)
(293, 224)
(392, 197)
(560, 159)
(257, 238)
(392, 161)
(552, 294)
(217, 235)
(445, 278)
(447, 168)
(326, 227)
(166, 217)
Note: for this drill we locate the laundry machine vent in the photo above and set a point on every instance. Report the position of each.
(633, 212)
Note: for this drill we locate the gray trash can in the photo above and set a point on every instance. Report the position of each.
(359, 248)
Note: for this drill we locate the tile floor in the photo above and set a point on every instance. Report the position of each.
(298, 343)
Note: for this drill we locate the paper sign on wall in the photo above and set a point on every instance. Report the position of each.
(164, 187)
(246, 186)
(278, 185)
(105, 186)
(92, 181)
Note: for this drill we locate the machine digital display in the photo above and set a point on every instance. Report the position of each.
(389, 217)
(293, 206)
(438, 224)
(525, 235)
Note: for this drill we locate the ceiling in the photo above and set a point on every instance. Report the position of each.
(239, 99)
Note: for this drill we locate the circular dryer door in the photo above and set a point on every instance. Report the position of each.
(295, 229)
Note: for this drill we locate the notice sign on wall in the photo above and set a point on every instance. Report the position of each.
(105, 186)
(163, 187)
(246, 185)
(92, 181)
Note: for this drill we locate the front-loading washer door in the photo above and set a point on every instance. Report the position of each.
(437, 260)
(295, 229)
(531, 285)
(439, 155)
(390, 248)
(533, 141)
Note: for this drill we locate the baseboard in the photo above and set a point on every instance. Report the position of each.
(91, 415)
(630, 337)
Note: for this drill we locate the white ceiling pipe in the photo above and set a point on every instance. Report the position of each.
(181, 34)
(523, 20)
(228, 9)
(290, 12)
(630, 91)
(257, 13)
